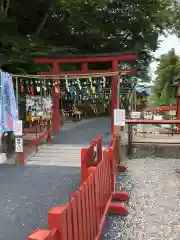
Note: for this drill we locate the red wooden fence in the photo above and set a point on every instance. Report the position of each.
(83, 217)
(90, 157)
(38, 137)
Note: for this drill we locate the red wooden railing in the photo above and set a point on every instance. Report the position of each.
(146, 121)
(162, 109)
(39, 136)
(90, 156)
(83, 217)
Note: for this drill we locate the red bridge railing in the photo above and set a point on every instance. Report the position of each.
(39, 136)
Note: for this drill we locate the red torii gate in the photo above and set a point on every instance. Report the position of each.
(113, 58)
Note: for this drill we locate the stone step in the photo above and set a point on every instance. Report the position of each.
(56, 158)
(56, 152)
(63, 146)
(60, 155)
(57, 155)
(54, 163)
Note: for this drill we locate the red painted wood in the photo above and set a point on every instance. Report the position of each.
(139, 121)
(84, 67)
(162, 109)
(56, 118)
(84, 61)
(178, 112)
(123, 57)
(114, 91)
(83, 217)
(178, 107)
(72, 73)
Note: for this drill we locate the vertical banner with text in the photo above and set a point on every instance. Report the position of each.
(8, 106)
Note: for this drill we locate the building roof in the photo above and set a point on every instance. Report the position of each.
(143, 90)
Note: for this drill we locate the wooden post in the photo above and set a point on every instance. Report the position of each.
(56, 96)
(114, 90)
(118, 144)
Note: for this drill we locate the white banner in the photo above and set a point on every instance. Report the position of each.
(8, 106)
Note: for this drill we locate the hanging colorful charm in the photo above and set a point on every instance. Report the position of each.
(32, 88)
(21, 86)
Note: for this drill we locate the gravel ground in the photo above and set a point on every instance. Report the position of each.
(154, 205)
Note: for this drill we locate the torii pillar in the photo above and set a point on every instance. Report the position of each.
(84, 60)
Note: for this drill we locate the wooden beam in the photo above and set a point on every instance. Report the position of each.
(124, 57)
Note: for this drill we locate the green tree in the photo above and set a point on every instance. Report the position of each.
(175, 17)
(168, 70)
(43, 28)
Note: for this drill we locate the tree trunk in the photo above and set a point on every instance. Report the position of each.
(44, 20)
(5, 7)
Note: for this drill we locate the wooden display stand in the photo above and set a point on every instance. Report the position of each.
(42, 120)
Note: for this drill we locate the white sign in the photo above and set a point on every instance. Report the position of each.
(19, 144)
(148, 116)
(119, 117)
(172, 113)
(136, 115)
(18, 127)
(157, 117)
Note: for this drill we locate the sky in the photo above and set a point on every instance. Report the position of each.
(167, 43)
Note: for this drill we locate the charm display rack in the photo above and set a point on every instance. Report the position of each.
(34, 97)
(33, 92)
(84, 96)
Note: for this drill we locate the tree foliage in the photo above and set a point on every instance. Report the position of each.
(164, 93)
(175, 17)
(43, 28)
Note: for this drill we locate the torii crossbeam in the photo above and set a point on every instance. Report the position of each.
(84, 60)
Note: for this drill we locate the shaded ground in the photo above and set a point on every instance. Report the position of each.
(27, 192)
(153, 184)
(85, 131)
